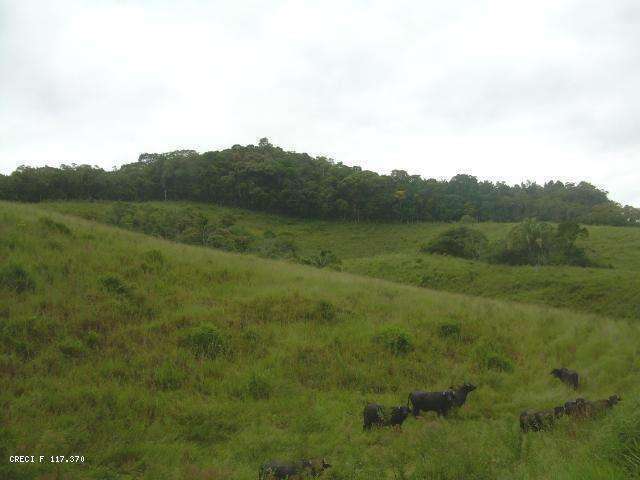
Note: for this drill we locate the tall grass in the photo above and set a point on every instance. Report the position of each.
(391, 252)
(163, 361)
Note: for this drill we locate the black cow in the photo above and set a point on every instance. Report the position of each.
(566, 376)
(439, 402)
(460, 393)
(542, 420)
(375, 414)
(276, 470)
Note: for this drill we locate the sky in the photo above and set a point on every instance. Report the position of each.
(508, 90)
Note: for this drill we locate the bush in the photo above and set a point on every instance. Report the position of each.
(14, 277)
(463, 242)
(394, 339)
(539, 243)
(324, 311)
(113, 284)
(491, 356)
(449, 330)
(206, 341)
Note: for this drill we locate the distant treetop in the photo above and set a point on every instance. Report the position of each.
(267, 178)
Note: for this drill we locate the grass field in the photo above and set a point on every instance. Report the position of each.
(390, 251)
(159, 360)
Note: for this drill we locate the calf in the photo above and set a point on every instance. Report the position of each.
(276, 470)
(542, 420)
(460, 393)
(439, 402)
(566, 376)
(375, 414)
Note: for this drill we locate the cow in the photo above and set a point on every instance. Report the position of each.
(576, 408)
(276, 470)
(542, 420)
(439, 402)
(581, 408)
(460, 393)
(569, 377)
(375, 414)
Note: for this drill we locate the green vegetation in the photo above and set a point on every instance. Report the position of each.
(266, 178)
(390, 251)
(528, 243)
(463, 242)
(166, 361)
(538, 243)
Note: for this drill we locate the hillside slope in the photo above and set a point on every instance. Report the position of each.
(390, 251)
(165, 361)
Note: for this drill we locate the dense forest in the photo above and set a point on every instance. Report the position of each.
(267, 178)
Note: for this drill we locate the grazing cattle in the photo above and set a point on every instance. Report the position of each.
(460, 393)
(542, 420)
(276, 470)
(375, 414)
(581, 408)
(576, 408)
(566, 376)
(439, 402)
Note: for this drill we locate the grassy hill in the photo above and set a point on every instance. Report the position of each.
(390, 251)
(158, 360)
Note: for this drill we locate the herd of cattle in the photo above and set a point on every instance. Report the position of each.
(441, 402)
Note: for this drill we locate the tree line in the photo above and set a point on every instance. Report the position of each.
(267, 178)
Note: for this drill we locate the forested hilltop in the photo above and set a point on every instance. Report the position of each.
(267, 178)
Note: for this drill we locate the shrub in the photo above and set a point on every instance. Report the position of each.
(491, 356)
(206, 341)
(113, 284)
(449, 330)
(463, 242)
(324, 311)
(394, 339)
(14, 277)
(499, 363)
(538, 243)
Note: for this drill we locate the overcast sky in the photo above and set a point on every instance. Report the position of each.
(502, 89)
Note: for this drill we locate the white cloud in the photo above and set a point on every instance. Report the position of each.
(502, 89)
